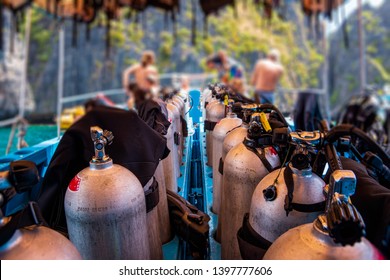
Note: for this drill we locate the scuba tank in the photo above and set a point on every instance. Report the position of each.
(173, 115)
(221, 129)
(179, 101)
(215, 111)
(206, 97)
(170, 162)
(244, 167)
(237, 135)
(152, 199)
(184, 95)
(337, 235)
(24, 235)
(162, 206)
(105, 208)
(284, 199)
(232, 139)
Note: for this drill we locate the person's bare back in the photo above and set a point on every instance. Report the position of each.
(266, 75)
(145, 73)
(142, 76)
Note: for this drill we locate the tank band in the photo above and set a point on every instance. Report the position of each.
(209, 125)
(176, 137)
(289, 205)
(252, 245)
(251, 146)
(152, 197)
(220, 166)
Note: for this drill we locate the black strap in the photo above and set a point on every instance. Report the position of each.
(30, 215)
(289, 205)
(176, 137)
(252, 237)
(265, 140)
(251, 146)
(309, 208)
(220, 167)
(233, 129)
(152, 197)
(288, 178)
(209, 125)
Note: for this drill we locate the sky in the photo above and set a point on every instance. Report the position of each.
(350, 7)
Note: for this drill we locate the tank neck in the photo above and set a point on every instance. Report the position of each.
(231, 115)
(320, 225)
(301, 172)
(96, 165)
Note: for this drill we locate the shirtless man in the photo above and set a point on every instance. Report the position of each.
(265, 77)
(145, 75)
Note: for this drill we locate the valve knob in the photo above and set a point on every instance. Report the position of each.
(109, 136)
(345, 225)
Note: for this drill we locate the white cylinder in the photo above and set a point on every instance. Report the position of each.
(306, 243)
(163, 213)
(106, 214)
(38, 243)
(219, 134)
(242, 172)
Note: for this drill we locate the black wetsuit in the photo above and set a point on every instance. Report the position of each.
(136, 146)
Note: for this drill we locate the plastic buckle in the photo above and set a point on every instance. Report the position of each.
(37, 221)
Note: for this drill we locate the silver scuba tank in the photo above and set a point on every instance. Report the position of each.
(177, 101)
(244, 167)
(169, 163)
(162, 207)
(205, 98)
(220, 131)
(23, 235)
(105, 208)
(152, 217)
(184, 95)
(286, 198)
(233, 138)
(174, 147)
(311, 242)
(215, 112)
(38, 243)
(337, 235)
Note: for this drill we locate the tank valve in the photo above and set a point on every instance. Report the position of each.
(101, 139)
(345, 225)
(270, 193)
(301, 158)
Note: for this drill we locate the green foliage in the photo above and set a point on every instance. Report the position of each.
(41, 35)
(384, 75)
(166, 48)
(372, 23)
(244, 36)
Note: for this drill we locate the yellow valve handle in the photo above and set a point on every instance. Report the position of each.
(226, 100)
(264, 122)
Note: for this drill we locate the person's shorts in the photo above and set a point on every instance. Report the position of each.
(264, 97)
